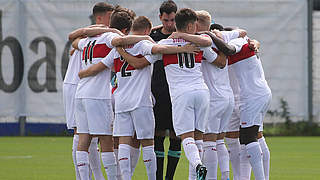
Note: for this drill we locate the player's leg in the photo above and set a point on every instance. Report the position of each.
(69, 91)
(100, 125)
(201, 112)
(174, 153)
(162, 114)
(116, 153)
(233, 143)
(223, 155)
(124, 129)
(82, 156)
(232, 140)
(159, 150)
(210, 158)
(265, 153)
(135, 153)
(248, 137)
(94, 159)
(144, 124)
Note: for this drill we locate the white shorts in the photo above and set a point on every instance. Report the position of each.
(140, 121)
(219, 115)
(69, 91)
(252, 112)
(234, 122)
(190, 111)
(94, 116)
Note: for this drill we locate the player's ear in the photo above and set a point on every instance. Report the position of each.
(160, 16)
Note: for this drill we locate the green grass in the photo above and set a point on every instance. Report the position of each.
(39, 158)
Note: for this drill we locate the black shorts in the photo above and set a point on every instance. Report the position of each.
(163, 114)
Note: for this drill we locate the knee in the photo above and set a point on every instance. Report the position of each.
(248, 135)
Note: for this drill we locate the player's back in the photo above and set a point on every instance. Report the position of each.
(217, 79)
(249, 72)
(134, 85)
(94, 49)
(183, 70)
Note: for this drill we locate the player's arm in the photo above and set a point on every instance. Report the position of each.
(75, 43)
(156, 27)
(91, 31)
(242, 32)
(202, 41)
(227, 49)
(220, 61)
(129, 39)
(137, 63)
(92, 70)
(254, 45)
(167, 49)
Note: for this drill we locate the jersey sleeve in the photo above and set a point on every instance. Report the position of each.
(109, 37)
(82, 44)
(209, 54)
(146, 47)
(153, 58)
(109, 59)
(229, 35)
(237, 43)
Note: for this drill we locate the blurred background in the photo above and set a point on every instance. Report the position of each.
(34, 57)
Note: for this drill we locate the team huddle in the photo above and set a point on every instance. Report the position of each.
(201, 82)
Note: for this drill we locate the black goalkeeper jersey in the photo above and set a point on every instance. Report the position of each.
(159, 85)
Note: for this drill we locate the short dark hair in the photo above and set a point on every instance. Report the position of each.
(121, 20)
(183, 17)
(168, 7)
(130, 12)
(101, 7)
(216, 26)
(141, 23)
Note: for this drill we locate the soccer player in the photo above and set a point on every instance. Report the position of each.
(101, 12)
(188, 92)
(255, 97)
(133, 104)
(93, 99)
(160, 90)
(221, 103)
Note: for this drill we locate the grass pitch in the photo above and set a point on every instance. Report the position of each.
(49, 158)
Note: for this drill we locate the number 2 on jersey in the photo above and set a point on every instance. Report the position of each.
(123, 70)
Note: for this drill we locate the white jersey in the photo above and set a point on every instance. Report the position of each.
(249, 72)
(94, 50)
(74, 66)
(134, 85)
(217, 79)
(183, 70)
(234, 84)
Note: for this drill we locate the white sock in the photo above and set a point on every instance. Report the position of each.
(255, 158)
(245, 167)
(265, 156)
(234, 154)
(94, 159)
(223, 159)
(74, 150)
(192, 171)
(135, 155)
(191, 151)
(83, 164)
(109, 164)
(149, 159)
(210, 159)
(119, 176)
(125, 161)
